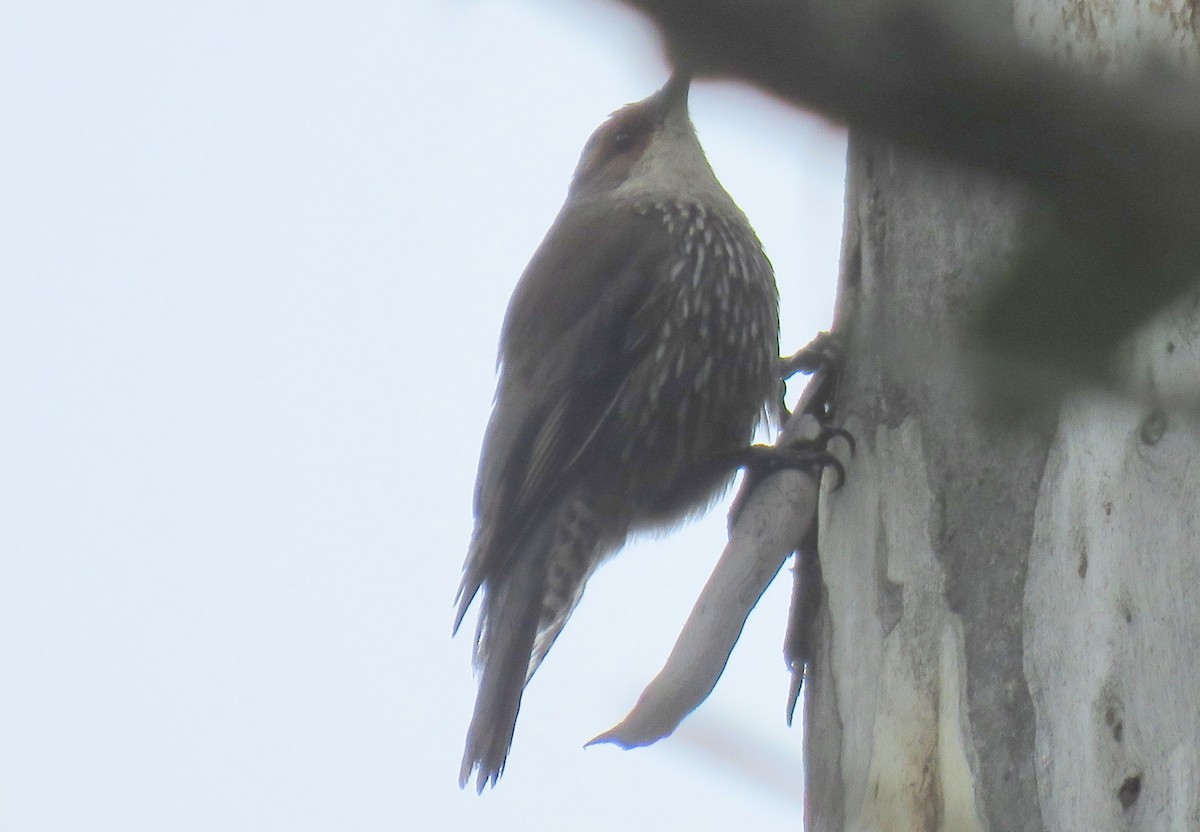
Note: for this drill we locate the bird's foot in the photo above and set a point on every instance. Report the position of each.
(823, 355)
(823, 351)
(809, 455)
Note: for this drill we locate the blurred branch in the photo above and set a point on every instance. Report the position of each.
(952, 81)
(1118, 159)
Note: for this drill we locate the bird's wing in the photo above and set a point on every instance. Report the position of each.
(572, 332)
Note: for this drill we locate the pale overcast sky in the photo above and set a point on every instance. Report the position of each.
(253, 261)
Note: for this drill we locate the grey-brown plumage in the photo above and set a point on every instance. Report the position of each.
(639, 352)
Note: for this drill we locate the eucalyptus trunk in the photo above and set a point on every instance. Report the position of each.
(1010, 638)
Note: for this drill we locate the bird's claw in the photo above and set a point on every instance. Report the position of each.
(829, 432)
(804, 455)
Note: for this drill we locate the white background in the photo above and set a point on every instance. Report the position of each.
(253, 261)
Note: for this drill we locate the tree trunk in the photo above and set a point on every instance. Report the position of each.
(1011, 633)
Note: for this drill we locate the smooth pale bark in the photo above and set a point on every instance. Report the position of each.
(1011, 639)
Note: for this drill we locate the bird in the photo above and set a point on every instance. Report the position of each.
(638, 355)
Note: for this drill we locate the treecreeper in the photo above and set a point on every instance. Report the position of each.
(639, 352)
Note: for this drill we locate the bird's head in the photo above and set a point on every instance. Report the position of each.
(646, 147)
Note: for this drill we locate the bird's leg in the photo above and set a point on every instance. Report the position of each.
(825, 350)
(822, 353)
(823, 357)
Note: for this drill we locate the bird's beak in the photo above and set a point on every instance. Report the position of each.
(674, 94)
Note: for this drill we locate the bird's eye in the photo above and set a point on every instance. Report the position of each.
(622, 141)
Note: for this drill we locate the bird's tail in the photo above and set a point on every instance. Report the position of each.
(508, 626)
(521, 616)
